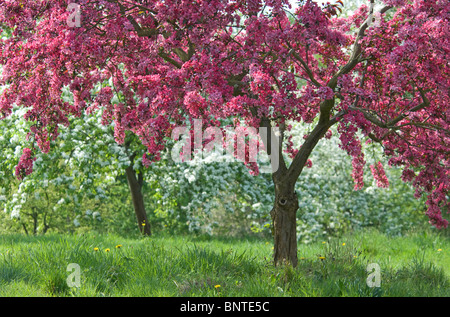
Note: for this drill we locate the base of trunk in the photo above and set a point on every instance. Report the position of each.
(284, 217)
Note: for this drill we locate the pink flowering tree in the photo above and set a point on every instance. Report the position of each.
(380, 77)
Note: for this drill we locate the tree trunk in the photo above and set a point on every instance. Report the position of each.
(284, 224)
(284, 212)
(135, 183)
(285, 207)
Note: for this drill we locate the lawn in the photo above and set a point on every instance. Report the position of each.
(417, 264)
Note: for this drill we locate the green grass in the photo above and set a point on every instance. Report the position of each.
(195, 266)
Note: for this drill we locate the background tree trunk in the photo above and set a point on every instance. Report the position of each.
(135, 183)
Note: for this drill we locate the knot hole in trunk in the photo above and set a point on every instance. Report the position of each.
(282, 201)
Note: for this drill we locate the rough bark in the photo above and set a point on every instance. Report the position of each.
(286, 201)
(284, 224)
(135, 183)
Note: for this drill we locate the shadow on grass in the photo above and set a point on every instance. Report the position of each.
(10, 273)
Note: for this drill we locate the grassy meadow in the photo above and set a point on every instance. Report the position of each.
(417, 264)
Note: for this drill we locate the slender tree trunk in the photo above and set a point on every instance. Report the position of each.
(25, 228)
(284, 224)
(135, 183)
(34, 215)
(46, 225)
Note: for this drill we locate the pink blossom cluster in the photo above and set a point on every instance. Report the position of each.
(352, 145)
(380, 175)
(25, 165)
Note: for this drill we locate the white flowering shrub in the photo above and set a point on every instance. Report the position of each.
(212, 197)
(80, 169)
(207, 195)
(329, 205)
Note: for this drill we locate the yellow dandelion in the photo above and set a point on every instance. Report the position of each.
(322, 257)
(216, 286)
(323, 242)
(95, 249)
(107, 250)
(302, 258)
(118, 246)
(343, 243)
(355, 256)
(439, 250)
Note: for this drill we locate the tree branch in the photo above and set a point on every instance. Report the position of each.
(392, 123)
(356, 52)
(168, 59)
(421, 106)
(140, 31)
(299, 161)
(305, 68)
